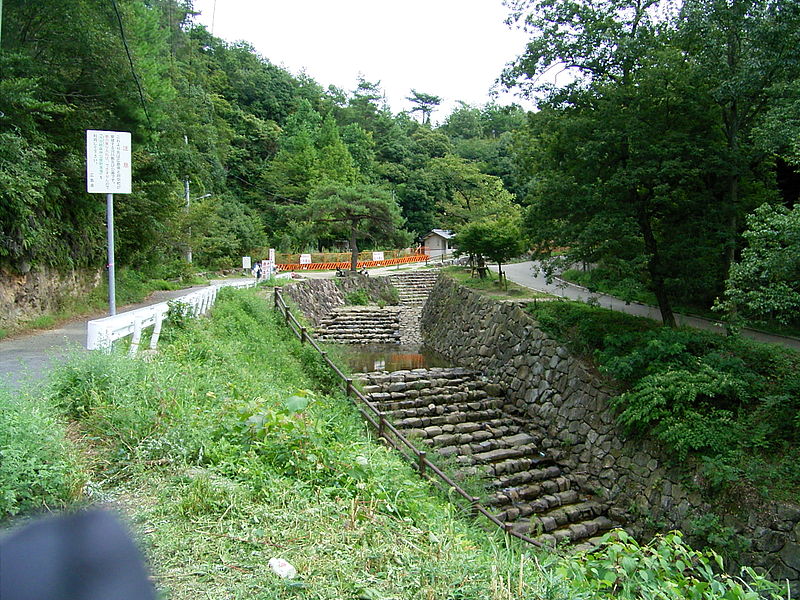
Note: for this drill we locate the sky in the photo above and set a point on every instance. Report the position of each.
(455, 49)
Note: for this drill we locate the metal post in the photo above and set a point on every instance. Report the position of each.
(112, 292)
(188, 204)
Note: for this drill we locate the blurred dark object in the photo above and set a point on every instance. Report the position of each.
(81, 556)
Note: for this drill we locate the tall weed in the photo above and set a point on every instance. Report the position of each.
(39, 466)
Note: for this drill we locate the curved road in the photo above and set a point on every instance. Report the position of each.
(26, 359)
(524, 275)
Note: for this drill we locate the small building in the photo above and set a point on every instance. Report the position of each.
(438, 242)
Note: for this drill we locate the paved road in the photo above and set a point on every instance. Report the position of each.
(523, 274)
(26, 359)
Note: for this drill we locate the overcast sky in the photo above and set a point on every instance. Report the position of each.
(455, 49)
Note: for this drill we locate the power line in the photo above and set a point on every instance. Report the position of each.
(130, 61)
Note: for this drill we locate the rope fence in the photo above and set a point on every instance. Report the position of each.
(387, 431)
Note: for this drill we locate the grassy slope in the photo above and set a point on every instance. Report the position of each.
(231, 446)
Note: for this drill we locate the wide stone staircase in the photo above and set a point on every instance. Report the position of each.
(414, 287)
(361, 325)
(460, 415)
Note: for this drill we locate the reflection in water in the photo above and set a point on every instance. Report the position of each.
(390, 357)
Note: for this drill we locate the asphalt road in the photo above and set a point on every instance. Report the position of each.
(524, 275)
(26, 359)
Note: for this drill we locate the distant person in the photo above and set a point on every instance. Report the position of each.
(258, 272)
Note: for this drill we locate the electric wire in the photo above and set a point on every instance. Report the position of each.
(130, 61)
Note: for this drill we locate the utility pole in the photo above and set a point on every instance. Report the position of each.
(188, 204)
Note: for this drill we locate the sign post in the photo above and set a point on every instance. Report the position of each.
(108, 171)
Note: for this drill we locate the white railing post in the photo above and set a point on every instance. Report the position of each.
(137, 337)
(156, 331)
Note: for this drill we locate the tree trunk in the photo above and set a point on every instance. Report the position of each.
(353, 250)
(481, 267)
(654, 266)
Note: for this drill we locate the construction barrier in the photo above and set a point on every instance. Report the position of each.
(362, 264)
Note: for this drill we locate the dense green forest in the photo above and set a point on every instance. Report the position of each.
(666, 157)
(253, 140)
(672, 123)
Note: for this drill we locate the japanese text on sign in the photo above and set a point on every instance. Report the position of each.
(108, 162)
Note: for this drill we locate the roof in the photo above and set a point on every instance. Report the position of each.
(445, 233)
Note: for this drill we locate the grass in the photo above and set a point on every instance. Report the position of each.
(234, 445)
(491, 286)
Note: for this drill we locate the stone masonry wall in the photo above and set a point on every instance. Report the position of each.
(316, 298)
(26, 296)
(568, 409)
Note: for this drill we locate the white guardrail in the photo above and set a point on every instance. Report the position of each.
(102, 333)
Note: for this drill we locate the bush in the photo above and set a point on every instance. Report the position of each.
(357, 298)
(666, 568)
(585, 328)
(729, 402)
(39, 467)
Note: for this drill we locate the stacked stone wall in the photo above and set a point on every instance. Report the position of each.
(29, 295)
(568, 407)
(317, 298)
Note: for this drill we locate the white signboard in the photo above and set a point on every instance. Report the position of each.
(377, 256)
(267, 269)
(272, 254)
(305, 259)
(246, 264)
(108, 162)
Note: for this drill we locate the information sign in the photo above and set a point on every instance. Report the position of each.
(108, 162)
(377, 256)
(272, 254)
(305, 259)
(246, 262)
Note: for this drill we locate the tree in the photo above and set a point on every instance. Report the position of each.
(765, 282)
(499, 240)
(424, 104)
(354, 210)
(747, 50)
(467, 194)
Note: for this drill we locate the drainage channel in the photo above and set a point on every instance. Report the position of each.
(390, 357)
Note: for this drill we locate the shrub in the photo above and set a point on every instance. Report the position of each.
(357, 298)
(666, 568)
(39, 467)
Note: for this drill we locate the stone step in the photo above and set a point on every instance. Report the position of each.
(460, 434)
(435, 373)
(539, 497)
(501, 455)
(482, 441)
(422, 385)
(479, 418)
(535, 460)
(522, 478)
(444, 408)
(358, 330)
(573, 532)
(435, 404)
(359, 324)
